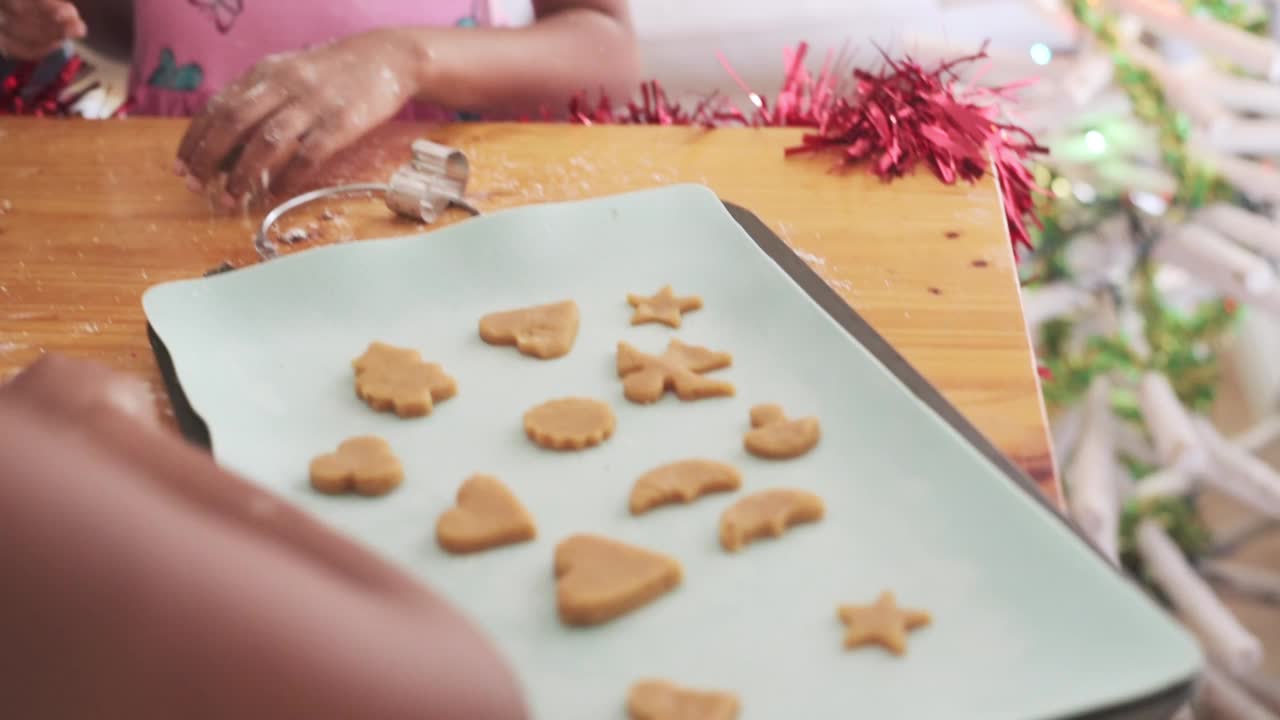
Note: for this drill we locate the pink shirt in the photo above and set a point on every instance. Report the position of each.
(185, 51)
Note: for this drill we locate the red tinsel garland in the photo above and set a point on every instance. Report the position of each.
(894, 120)
(51, 100)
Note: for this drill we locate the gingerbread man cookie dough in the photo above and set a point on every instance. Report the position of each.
(768, 513)
(397, 379)
(663, 700)
(572, 423)
(599, 579)
(883, 623)
(646, 378)
(486, 515)
(364, 465)
(682, 482)
(774, 437)
(542, 331)
(663, 307)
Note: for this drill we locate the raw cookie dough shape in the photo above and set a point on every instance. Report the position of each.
(646, 378)
(774, 437)
(682, 482)
(364, 465)
(599, 579)
(884, 624)
(396, 379)
(541, 331)
(662, 700)
(486, 515)
(768, 513)
(572, 423)
(663, 307)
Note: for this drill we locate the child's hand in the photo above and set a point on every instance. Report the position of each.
(31, 29)
(291, 112)
(147, 582)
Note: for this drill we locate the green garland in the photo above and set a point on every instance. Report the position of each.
(1185, 347)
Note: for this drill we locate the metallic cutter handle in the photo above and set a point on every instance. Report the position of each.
(434, 178)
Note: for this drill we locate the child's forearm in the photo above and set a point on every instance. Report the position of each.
(526, 68)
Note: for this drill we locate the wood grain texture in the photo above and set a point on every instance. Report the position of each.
(91, 215)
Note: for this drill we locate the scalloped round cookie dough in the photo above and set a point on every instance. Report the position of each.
(572, 423)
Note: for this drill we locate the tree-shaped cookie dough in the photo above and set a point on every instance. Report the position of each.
(487, 515)
(682, 482)
(542, 331)
(883, 624)
(364, 465)
(774, 437)
(768, 513)
(663, 307)
(599, 579)
(396, 379)
(646, 378)
(663, 700)
(572, 423)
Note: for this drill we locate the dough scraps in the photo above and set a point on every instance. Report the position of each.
(572, 423)
(883, 624)
(663, 700)
(663, 307)
(392, 378)
(768, 513)
(774, 437)
(486, 515)
(646, 378)
(364, 465)
(542, 331)
(682, 482)
(599, 579)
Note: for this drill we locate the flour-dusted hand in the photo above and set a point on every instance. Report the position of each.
(293, 111)
(31, 29)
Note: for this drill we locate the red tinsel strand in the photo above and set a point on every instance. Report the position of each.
(894, 120)
(51, 100)
(905, 116)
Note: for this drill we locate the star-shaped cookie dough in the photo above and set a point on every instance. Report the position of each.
(664, 307)
(883, 624)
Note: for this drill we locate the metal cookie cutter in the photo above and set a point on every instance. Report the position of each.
(435, 178)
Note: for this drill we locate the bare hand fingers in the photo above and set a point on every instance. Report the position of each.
(67, 17)
(41, 22)
(271, 147)
(78, 388)
(224, 125)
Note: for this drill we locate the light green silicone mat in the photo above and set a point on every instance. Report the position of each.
(1029, 622)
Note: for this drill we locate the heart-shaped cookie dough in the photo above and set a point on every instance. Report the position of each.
(364, 465)
(487, 515)
(663, 700)
(542, 331)
(599, 579)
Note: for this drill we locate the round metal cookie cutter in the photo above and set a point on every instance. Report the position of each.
(434, 178)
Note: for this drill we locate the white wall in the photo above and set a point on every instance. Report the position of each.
(679, 38)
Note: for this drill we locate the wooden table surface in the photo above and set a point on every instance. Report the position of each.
(91, 215)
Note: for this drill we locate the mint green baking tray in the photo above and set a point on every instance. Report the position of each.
(1029, 623)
